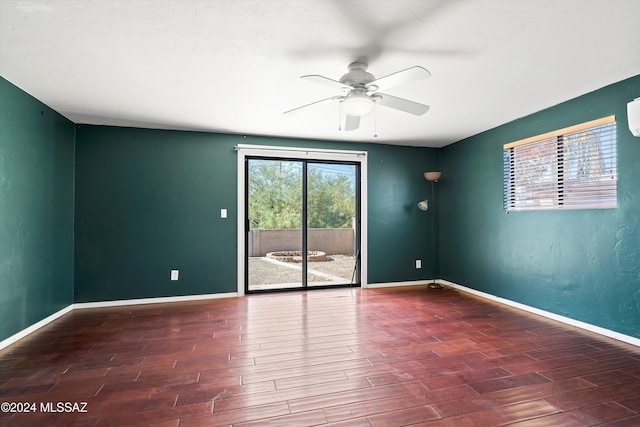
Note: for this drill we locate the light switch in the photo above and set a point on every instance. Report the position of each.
(223, 213)
(174, 274)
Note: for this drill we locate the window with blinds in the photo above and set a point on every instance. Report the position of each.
(571, 168)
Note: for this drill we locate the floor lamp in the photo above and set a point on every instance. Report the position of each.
(433, 178)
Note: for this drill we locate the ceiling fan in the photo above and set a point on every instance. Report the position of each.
(360, 92)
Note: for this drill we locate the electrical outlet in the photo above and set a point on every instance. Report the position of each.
(418, 263)
(174, 274)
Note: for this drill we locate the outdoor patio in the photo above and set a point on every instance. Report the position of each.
(265, 273)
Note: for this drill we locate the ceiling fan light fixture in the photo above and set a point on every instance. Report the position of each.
(357, 105)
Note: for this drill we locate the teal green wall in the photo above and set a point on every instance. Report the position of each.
(399, 232)
(582, 264)
(148, 201)
(36, 210)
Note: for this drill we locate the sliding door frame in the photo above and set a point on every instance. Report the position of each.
(295, 153)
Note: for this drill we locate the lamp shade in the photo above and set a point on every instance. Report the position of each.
(357, 105)
(432, 176)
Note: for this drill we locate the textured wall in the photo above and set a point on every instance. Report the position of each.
(149, 200)
(36, 210)
(399, 232)
(582, 264)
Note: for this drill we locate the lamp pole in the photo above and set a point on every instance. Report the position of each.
(433, 177)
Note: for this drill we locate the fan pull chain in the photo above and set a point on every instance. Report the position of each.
(339, 118)
(375, 119)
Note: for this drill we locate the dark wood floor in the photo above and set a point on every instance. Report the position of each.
(341, 357)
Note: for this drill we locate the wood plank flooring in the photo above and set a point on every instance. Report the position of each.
(339, 357)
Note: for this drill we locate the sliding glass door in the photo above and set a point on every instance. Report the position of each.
(302, 227)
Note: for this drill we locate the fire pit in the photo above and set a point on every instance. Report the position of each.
(296, 256)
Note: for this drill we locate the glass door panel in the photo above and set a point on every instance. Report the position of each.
(274, 224)
(331, 224)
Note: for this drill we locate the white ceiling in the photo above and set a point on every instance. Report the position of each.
(234, 66)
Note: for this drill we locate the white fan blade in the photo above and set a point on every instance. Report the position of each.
(401, 104)
(322, 101)
(401, 77)
(351, 122)
(325, 81)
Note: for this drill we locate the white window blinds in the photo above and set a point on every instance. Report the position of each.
(572, 168)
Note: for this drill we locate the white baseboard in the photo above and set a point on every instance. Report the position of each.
(159, 300)
(577, 323)
(23, 333)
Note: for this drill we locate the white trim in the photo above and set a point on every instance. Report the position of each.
(160, 300)
(23, 333)
(245, 150)
(300, 151)
(577, 323)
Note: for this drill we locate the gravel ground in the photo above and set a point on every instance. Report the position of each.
(264, 273)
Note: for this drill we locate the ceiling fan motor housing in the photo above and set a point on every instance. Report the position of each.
(357, 75)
